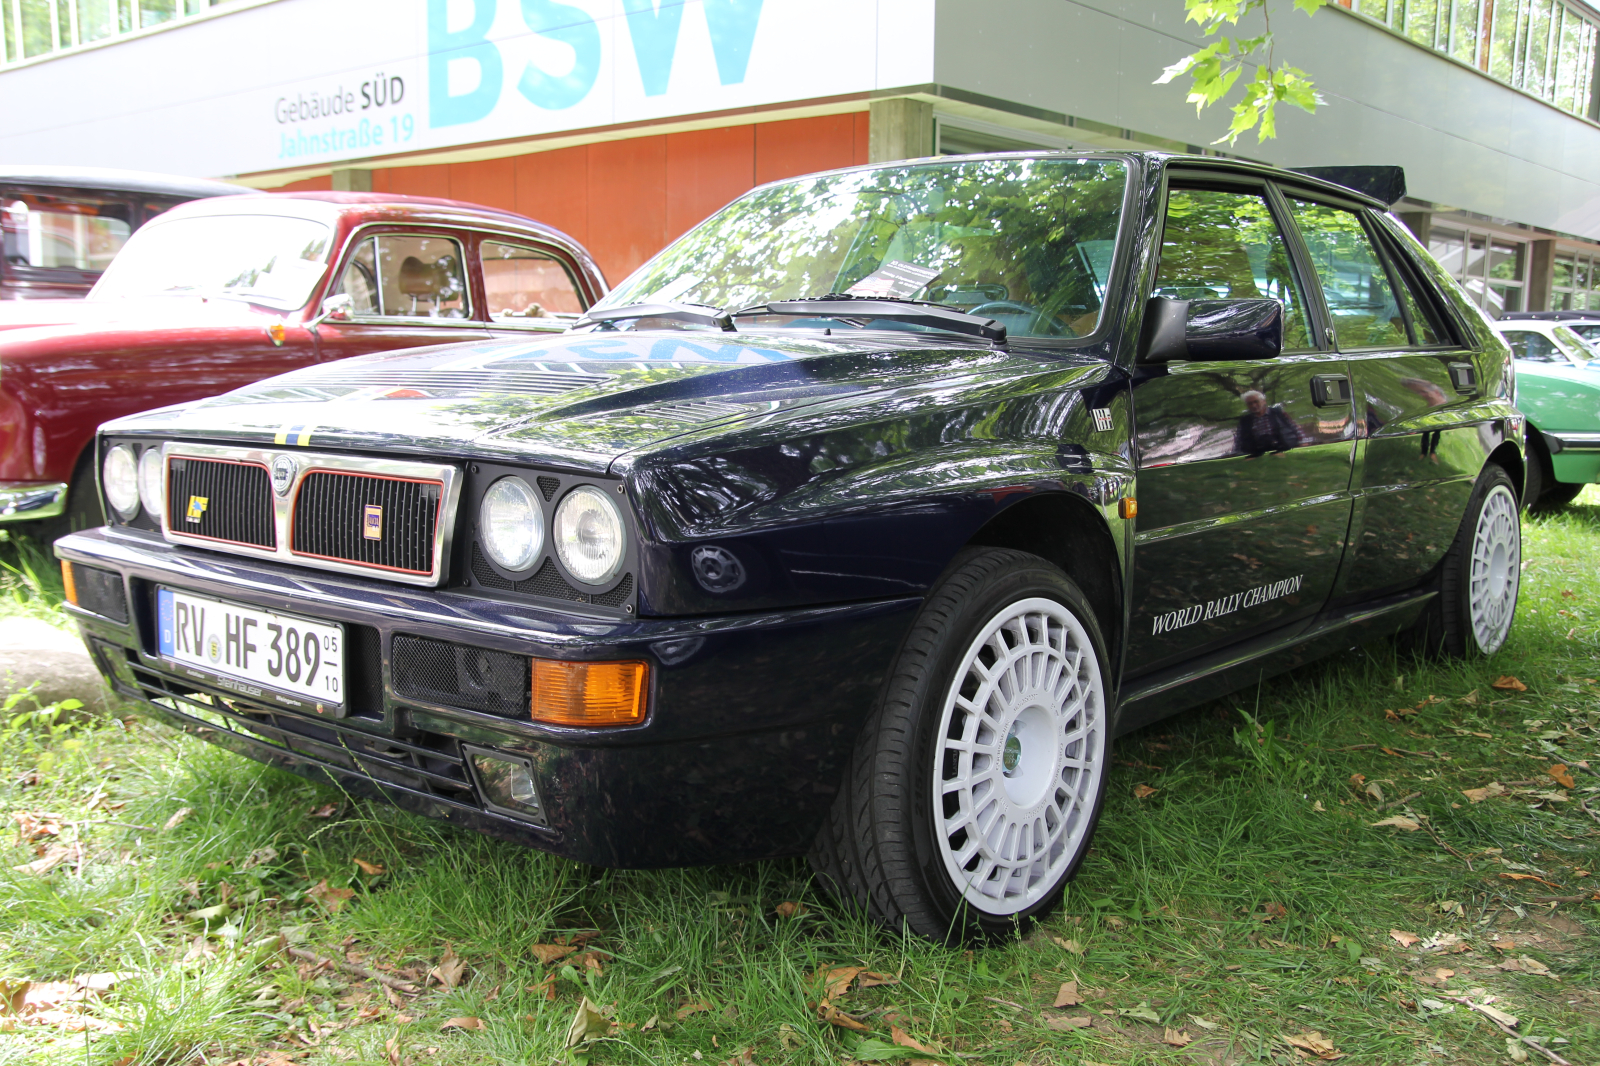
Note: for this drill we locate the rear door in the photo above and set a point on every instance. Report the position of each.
(1245, 464)
(1416, 388)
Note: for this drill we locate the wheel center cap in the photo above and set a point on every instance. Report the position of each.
(1011, 758)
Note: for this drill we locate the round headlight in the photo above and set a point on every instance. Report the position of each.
(150, 487)
(511, 524)
(589, 535)
(121, 478)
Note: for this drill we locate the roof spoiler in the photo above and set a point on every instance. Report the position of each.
(1387, 184)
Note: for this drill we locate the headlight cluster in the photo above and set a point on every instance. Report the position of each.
(588, 533)
(130, 482)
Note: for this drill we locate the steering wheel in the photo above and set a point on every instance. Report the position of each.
(1052, 327)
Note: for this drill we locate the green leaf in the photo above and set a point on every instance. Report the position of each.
(872, 1049)
(1309, 6)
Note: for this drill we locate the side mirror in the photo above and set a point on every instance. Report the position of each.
(336, 307)
(1211, 330)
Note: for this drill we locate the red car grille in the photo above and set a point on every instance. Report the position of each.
(222, 500)
(387, 523)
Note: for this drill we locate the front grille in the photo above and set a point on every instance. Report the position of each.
(101, 592)
(383, 522)
(458, 675)
(219, 499)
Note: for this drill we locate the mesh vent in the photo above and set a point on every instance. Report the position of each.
(548, 486)
(220, 500)
(101, 591)
(461, 676)
(383, 522)
(617, 596)
(547, 581)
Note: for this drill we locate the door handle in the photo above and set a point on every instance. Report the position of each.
(1464, 376)
(1330, 389)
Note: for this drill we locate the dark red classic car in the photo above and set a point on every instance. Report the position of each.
(218, 293)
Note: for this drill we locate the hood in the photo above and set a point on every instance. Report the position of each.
(583, 400)
(119, 314)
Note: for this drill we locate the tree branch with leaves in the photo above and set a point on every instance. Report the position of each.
(1215, 69)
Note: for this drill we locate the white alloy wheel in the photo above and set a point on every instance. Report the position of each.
(1020, 753)
(1496, 567)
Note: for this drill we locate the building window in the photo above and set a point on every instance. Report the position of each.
(1492, 269)
(34, 28)
(1575, 285)
(1541, 46)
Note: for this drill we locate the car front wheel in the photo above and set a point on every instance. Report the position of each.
(1480, 575)
(975, 787)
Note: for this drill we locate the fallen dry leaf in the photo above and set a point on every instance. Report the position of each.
(324, 811)
(1274, 910)
(368, 867)
(1374, 790)
(1202, 1023)
(590, 961)
(451, 967)
(1561, 776)
(1527, 964)
(692, 1008)
(548, 953)
(391, 1048)
(827, 1012)
(1403, 938)
(1068, 1022)
(836, 981)
(32, 827)
(177, 818)
(463, 1023)
(1068, 945)
(791, 909)
(1400, 821)
(1504, 945)
(1507, 683)
(1068, 995)
(902, 1039)
(587, 1024)
(1478, 795)
(54, 855)
(1144, 791)
(1316, 1043)
(870, 979)
(1176, 1037)
(1529, 877)
(330, 897)
(547, 987)
(747, 1057)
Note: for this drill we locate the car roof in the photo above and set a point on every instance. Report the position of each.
(114, 180)
(1551, 316)
(329, 206)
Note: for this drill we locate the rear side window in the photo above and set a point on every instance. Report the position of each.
(47, 231)
(527, 287)
(1533, 347)
(1220, 245)
(1360, 296)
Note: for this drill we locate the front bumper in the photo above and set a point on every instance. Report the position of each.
(28, 501)
(1574, 457)
(751, 721)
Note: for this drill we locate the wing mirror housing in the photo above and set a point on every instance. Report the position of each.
(335, 308)
(1211, 330)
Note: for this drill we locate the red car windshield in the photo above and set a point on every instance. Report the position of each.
(271, 259)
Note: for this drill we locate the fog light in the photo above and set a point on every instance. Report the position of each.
(589, 694)
(507, 784)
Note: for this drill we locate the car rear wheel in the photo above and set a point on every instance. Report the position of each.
(1480, 575)
(975, 787)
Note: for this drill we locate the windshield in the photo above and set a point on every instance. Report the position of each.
(271, 259)
(1027, 242)
(1575, 346)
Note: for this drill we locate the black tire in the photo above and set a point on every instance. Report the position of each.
(1539, 476)
(83, 510)
(888, 846)
(1477, 599)
(1560, 493)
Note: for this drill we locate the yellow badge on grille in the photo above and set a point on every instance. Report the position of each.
(197, 507)
(372, 522)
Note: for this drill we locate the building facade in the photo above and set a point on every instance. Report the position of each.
(625, 122)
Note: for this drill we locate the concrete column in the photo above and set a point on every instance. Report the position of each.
(899, 128)
(1541, 274)
(1418, 222)
(353, 180)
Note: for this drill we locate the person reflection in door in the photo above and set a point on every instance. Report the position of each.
(1264, 428)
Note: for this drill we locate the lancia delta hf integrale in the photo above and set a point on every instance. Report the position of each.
(219, 293)
(859, 520)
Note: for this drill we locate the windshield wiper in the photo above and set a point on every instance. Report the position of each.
(695, 314)
(844, 306)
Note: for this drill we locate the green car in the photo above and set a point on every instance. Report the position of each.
(1558, 388)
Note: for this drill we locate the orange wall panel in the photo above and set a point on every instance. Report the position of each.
(490, 182)
(322, 184)
(706, 169)
(804, 145)
(420, 181)
(627, 203)
(553, 187)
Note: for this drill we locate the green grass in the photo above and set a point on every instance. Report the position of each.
(1250, 890)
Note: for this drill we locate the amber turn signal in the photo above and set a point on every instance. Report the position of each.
(69, 583)
(589, 694)
(1127, 507)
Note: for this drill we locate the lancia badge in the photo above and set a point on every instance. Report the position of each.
(283, 470)
(372, 522)
(1102, 419)
(197, 508)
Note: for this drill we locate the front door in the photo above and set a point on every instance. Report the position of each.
(1244, 465)
(406, 290)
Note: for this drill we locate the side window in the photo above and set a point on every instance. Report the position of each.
(1365, 310)
(1533, 347)
(407, 277)
(526, 287)
(1226, 246)
(48, 231)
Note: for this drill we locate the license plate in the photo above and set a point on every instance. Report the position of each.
(262, 654)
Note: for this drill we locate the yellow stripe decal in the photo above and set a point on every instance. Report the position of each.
(299, 436)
